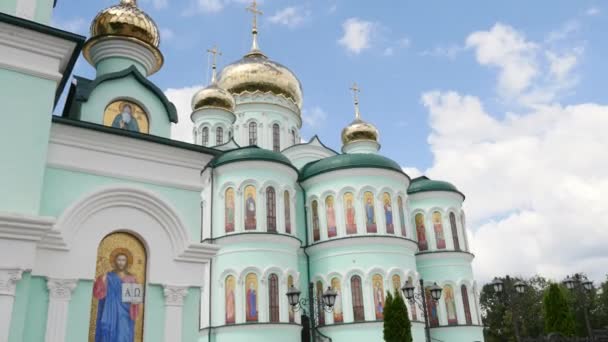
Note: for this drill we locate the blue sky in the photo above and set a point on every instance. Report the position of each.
(504, 98)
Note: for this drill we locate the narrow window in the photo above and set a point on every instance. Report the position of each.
(276, 138)
(357, 294)
(438, 227)
(219, 136)
(293, 136)
(205, 136)
(450, 304)
(316, 232)
(271, 210)
(466, 305)
(454, 231)
(253, 133)
(273, 296)
(320, 309)
(287, 212)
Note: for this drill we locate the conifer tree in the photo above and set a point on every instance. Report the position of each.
(397, 325)
(558, 317)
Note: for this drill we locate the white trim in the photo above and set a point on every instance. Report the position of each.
(88, 151)
(33, 53)
(174, 302)
(22, 227)
(8, 285)
(60, 295)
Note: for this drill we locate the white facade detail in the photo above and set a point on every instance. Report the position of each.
(60, 294)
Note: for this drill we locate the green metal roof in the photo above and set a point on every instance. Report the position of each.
(423, 184)
(348, 161)
(247, 154)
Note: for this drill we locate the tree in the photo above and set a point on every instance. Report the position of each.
(557, 313)
(599, 316)
(397, 325)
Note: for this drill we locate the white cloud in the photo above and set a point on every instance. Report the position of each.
(290, 16)
(213, 6)
(314, 117)
(592, 11)
(357, 35)
(450, 51)
(182, 98)
(508, 50)
(534, 183)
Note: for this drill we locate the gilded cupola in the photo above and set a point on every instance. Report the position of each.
(213, 96)
(126, 21)
(256, 72)
(359, 130)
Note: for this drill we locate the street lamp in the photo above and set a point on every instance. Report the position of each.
(508, 297)
(327, 302)
(409, 291)
(581, 286)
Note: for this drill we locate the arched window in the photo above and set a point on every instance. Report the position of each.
(454, 231)
(230, 302)
(273, 297)
(464, 231)
(378, 287)
(338, 313)
(450, 304)
(320, 309)
(293, 136)
(271, 210)
(431, 306)
(330, 215)
(349, 213)
(219, 136)
(370, 212)
(438, 227)
(287, 209)
(229, 210)
(205, 136)
(251, 297)
(357, 294)
(423, 245)
(388, 213)
(316, 232)
(401, 216)
(250, 208)
(276, 138)
(253, 133)
(465, 304)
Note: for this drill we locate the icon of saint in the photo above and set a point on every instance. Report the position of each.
(125, 119)
(388, 211)
(115, 317)
(351, 226)
(250, 222)
(331, 219)
(252, 314)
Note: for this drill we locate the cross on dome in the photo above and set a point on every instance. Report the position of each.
(214, 52)
(132, 3)
(253, 8)
(356, 90)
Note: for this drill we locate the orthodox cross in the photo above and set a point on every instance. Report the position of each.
(129, 3)
(214, 52)
(253, 8)
(356, 90)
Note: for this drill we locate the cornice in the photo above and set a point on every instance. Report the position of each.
(8, 280)
(24, 228)
(362, 240)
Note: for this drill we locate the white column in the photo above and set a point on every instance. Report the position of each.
(8, 285)
(174, 302)
(60, 294)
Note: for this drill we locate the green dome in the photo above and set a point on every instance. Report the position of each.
(348, 161)
(423, 184)
(247, 154)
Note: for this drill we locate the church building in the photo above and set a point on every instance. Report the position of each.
(111, 231)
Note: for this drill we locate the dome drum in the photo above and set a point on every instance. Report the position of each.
(213, 97)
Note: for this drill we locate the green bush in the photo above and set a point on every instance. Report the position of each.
(397, 325)
(558, 317)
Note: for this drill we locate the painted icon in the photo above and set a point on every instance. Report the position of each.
(438, 227)
(126, 115)
(423, 245)
(230, 302)
(351, 223)
(330, 213)
(251, 296)
(250, 208)
(370, 214)
(229, 226)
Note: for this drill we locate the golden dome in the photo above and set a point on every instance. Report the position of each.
(255, 72)
(127, 20)
(213, 96)
(359, 130)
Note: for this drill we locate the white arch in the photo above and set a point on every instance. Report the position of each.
(225, 274)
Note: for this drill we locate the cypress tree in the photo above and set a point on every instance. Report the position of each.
(397, 325)
(558, 317)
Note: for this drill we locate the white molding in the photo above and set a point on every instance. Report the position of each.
(409, 246)
(174, 302)
(22, 227)
(437, 194)
(119, 47)
(84, 150)
(33, 53)
(8, 280)
(60, 294)
(175, 295)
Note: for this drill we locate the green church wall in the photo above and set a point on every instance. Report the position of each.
(79, 312)
(8, 6)
(190, 315)
(63, 188)
(458, 334)
(42, 14)
(37, 308)
(154, 323)
(114, 64)
(26, 124)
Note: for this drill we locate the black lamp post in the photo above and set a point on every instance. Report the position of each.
(508, 297)
(327, 301)
(581, 287)
(409, 291)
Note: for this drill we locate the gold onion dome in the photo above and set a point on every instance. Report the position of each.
(126, 20)
(255, 72)
(213, 96)
(359, 130)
